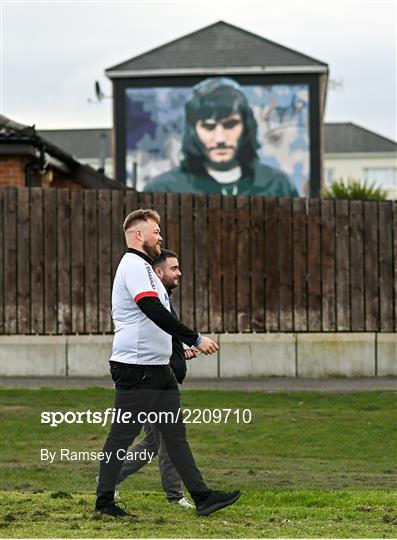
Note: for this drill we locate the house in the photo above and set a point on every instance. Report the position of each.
(28, 159)
(352, 151)
(92, 146)
(285, 89)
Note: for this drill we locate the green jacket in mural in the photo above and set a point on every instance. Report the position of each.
(265, 180)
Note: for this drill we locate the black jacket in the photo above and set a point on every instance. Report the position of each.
(169, 322)
(177, 360)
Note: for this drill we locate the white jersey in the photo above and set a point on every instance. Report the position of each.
(137, 340)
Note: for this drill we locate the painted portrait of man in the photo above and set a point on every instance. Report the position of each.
(219, 136)
(220, 147)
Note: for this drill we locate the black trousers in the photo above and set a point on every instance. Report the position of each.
(147, 389)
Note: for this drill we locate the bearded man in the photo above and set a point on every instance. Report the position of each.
(139, 365)
(220, 147)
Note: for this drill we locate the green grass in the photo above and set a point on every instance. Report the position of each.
(309, 465)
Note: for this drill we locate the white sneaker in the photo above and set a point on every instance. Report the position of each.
(116, 489)
(184, 503)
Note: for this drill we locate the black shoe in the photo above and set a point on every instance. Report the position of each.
(113, 510)
(215, 501)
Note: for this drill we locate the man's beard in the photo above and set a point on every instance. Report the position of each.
(152, 251)
(169, 284)
(222, 165)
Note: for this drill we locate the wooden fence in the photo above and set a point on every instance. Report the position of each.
(249, 263)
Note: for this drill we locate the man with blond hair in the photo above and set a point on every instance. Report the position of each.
(167, 268)
(139, 365)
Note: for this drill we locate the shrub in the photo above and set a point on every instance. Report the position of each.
(354, 189)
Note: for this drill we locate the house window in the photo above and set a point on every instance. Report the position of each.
(328, 176)
(384, 177)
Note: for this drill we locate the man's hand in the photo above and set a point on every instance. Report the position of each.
(207, 346)
(190, 353)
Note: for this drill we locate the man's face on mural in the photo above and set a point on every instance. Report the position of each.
(220, 138)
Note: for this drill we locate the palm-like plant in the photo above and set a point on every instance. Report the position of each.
(354, 189)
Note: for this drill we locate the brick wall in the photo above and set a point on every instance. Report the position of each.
(12, 171)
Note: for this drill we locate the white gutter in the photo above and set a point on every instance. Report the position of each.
(254, 70)
(56, 163)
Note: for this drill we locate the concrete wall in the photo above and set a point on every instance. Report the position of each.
(239, 355)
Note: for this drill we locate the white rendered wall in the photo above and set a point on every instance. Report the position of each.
(240, 355)
(353, 165)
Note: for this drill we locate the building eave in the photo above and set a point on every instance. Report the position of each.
(254, 70)
(360, 155)
(56, 158)
(17, 149)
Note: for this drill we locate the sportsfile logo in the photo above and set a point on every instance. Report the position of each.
(118, 416)
(55, 418)
(149, 273)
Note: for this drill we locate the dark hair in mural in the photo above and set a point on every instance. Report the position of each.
(217, 98)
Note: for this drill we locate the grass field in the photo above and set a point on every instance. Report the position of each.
(309, 465)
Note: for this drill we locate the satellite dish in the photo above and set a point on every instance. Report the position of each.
(98, 92)
(99, 95)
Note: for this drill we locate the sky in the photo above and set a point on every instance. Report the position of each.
(52, 52)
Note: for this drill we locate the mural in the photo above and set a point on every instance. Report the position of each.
(219, 137)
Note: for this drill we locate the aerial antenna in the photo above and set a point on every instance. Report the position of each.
(336, 84)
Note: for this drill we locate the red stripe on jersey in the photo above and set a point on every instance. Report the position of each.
(144, 295)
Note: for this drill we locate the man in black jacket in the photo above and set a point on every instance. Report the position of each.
(166, 266)
(139, 365)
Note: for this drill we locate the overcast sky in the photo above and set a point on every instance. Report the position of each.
(53, 51)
